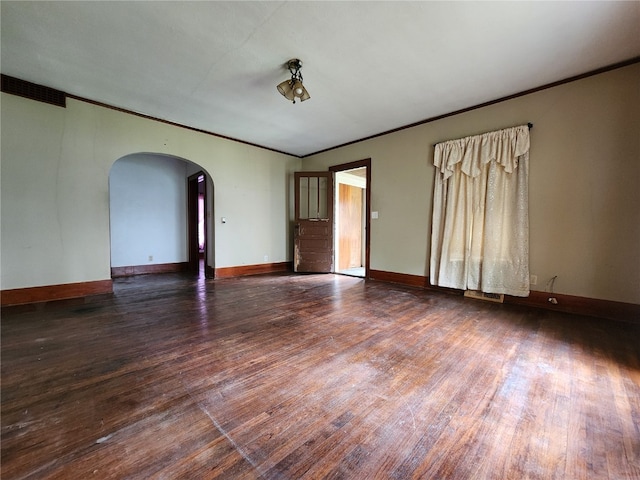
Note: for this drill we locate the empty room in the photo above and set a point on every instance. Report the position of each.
(305, 240)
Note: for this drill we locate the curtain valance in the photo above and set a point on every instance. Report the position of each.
(502, 146)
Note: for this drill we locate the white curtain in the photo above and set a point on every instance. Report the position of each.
(480, 229)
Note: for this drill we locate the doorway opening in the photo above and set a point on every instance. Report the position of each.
(197, 223)
(149, 214)
(351, 219)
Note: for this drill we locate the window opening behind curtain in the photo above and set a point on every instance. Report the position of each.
(480, 229)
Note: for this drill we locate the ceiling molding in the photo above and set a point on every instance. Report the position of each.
(8, 80)
(574, 78)
(42, 93)
(174, 124)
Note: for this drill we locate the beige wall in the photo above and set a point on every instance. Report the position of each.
(584, 187)
(584, 184)
(55, 190)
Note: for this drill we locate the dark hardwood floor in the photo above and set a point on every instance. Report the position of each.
(314, 376)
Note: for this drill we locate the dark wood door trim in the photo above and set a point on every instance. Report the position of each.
(192, 221)
(367, 234)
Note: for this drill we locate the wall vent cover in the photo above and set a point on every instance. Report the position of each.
(489, 297)
(22, 88)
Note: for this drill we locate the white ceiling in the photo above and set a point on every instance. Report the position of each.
(370, 67)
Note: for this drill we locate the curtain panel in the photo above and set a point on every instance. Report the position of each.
(480, 227)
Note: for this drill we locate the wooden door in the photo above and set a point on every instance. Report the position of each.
(350, 226)
(313, 227)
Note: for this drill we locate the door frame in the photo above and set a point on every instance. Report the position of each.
(367, 227)
(192, 222)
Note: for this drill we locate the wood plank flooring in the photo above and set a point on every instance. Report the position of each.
(314, 376)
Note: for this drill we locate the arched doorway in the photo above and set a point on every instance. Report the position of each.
(150, 213)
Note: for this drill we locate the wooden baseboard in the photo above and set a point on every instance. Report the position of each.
(148, 269)
(409, 280)
(400, 278)
(612, 310)
(243, 270)
(22, 296)
(592, 307)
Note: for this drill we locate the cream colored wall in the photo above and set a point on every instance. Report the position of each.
(584, 184)
(148, 210)
(55, 197)
(584, 187)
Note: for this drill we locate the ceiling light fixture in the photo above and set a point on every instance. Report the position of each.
(293, 88)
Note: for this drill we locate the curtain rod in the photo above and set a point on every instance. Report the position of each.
(530, 125)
